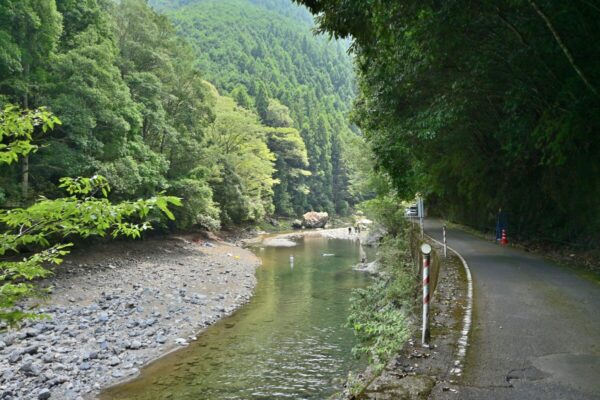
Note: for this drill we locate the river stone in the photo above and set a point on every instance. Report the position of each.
(84, 366)
(9, 339)
(391, 387)
(32, 332)
(31, 349)
(48, 357)
(14, 356)
(30, 369)
(132, 324)
(44, 394)
(181, 341)
(135, 345)
(48, 375)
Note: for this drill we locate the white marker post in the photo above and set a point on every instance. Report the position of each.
(445, 242)
(426, 250)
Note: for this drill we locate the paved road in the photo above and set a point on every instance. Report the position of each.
(536, 330)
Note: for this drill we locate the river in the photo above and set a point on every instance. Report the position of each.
(288, 342)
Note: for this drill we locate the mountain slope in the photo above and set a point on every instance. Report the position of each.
(265, 48)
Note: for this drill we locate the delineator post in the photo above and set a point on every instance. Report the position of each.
(445, 242)
(426, 250)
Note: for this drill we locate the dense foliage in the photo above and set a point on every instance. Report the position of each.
(263, 53)
(133, 107)
(136, 106)
(33, 236)
(482, 105)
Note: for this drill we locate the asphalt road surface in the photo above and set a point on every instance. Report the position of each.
(536, 326)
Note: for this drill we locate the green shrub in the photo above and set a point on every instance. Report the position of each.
(380, 313)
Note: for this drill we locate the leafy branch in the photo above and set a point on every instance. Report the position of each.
(85, 212)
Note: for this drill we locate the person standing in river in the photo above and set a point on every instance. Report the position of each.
(349, 230)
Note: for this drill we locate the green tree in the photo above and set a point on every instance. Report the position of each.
(291, 165)
(262, 102)
(236, 147)
(85, 212)
(278, 115)
(241, 97)
(29, 30)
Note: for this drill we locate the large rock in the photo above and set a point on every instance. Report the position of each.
(314, 219)
(297, 224)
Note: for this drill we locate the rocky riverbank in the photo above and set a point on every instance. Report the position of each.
(287, 239)
(117, 306)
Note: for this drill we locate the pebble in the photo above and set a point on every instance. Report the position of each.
(103, 317)
(84, 366)
(161, 339)
(181, 341)
(14, 356)
(44, 394)
(135, 345)
(31, 349)
(30, 369)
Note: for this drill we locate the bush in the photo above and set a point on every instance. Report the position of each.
(380, 313)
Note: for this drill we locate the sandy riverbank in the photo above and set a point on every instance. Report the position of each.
(117, 306)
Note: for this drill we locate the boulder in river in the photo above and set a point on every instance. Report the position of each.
(297, 224)
(314, 219)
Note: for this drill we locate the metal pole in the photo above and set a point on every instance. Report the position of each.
(421, 212)
(426, 250)
(445, 242)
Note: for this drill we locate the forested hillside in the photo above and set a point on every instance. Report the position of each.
(262, 53)
(482, 105)
(138, 106)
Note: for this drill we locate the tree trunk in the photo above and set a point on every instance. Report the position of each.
(25, 161)
(563, 47)
(25, 177)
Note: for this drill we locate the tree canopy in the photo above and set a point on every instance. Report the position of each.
(481, 106)
(134, 91)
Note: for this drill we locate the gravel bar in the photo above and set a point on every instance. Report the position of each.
(117, 306)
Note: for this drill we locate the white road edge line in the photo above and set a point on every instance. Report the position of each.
(463, 341)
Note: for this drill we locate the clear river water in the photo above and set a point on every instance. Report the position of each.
(288, 342)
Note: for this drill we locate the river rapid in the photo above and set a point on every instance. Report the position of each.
(289, 341)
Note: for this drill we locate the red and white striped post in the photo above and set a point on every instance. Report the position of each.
(426, 250)
(445, 242)
(504, 240)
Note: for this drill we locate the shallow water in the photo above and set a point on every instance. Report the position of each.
(288, 342)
